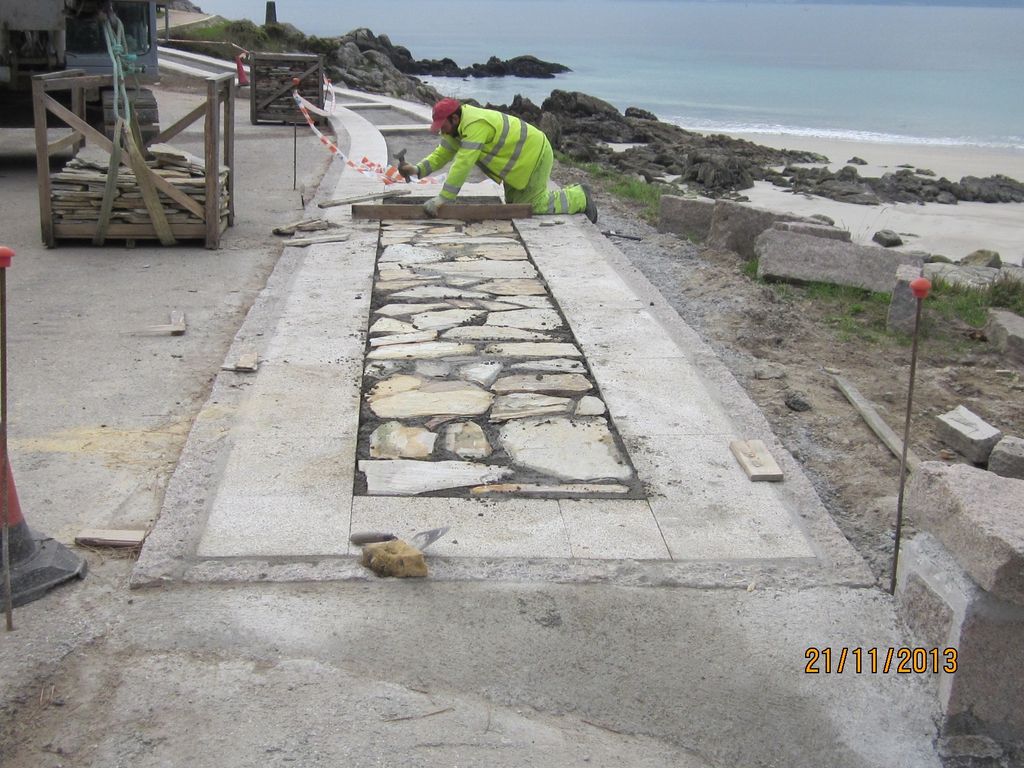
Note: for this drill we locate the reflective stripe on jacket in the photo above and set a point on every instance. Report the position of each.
(505, 148)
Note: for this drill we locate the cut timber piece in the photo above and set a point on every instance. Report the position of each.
(364, 198)
(301, 242)
(753, 456)
(176, 327)
(247, 362)
(104, 537)
(879, 427)
(457, 211)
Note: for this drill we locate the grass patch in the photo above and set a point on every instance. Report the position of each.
(212, 38)
(853, 312)
(621, 185)
(648, 195)
(971, 305)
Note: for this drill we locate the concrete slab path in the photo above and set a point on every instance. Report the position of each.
(267, 481)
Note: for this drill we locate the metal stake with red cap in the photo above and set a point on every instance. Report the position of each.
(39, 562)
(6, 255)
(920, 287)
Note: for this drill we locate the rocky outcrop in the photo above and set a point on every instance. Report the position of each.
(401, 58)
(582, 126)
(907, 185)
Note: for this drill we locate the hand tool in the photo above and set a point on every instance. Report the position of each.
(400, 157)
(613, 233)
(421, 540)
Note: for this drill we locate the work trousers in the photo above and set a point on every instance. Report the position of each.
(572, 199)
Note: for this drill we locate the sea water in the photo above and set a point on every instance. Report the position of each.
(935, 74)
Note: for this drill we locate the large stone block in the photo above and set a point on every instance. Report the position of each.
(735, 227)
(903, 305)
(968, 433)
(978, 517)
(967, 626)
(809, 228)
(687, 216)
(1007, 458)
(1005, 329)
(800, 258)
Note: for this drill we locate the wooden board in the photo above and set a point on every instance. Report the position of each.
(459, 211)
(756, 461)
(106, 537)
(873, 420)
(248, 362)
(365, 198)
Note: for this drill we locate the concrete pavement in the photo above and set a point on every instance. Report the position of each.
(684, 643)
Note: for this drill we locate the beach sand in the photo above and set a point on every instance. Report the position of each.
(950, 230)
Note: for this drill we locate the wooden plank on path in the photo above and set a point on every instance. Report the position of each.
(458, 211)
(879, 427)
(363, 198)
(756, 461)
(110, 537)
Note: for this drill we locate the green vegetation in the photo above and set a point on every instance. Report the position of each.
(220, 36)
(856, 313)
(971, 305)
(622, 185)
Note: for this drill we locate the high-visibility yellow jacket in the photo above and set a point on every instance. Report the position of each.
(505, 148)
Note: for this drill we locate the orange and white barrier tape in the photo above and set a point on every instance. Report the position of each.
(388, 174)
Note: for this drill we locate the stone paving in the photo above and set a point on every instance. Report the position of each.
(473, 377)
(519, 382)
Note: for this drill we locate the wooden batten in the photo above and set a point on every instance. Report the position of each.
(460, 211)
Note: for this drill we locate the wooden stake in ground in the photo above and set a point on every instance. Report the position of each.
(873, 420)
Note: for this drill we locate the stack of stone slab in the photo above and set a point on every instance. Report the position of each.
(474, 383)
(77, 190)
(960, 587)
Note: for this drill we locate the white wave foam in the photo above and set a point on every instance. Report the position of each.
(844, 134)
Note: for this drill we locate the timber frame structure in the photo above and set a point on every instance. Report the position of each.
(219, 150)
(272, 77)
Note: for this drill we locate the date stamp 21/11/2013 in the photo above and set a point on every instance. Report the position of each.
(873, 660)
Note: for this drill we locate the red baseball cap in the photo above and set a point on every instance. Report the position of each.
(444, 109)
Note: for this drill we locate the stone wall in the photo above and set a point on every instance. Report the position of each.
(960, 588)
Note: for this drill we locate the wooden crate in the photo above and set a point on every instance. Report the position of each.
(272, 80)
(157, 192)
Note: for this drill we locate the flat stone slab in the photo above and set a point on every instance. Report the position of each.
(533, 319)
(1007, 458)
(979, 518)
(436, 398)
(803, 258)
(407, 477)
(570, 449)
(555, 382)
(968, 433)
(1005, 329)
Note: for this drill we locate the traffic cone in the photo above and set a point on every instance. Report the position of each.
(38, 563)
(243, 76)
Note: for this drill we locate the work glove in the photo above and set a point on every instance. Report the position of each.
(408, 170)
(430, 207)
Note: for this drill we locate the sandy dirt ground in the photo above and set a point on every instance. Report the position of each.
(777, 342)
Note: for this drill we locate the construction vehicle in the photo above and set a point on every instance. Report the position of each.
(52, 35)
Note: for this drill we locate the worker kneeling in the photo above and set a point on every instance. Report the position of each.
(505, 148)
